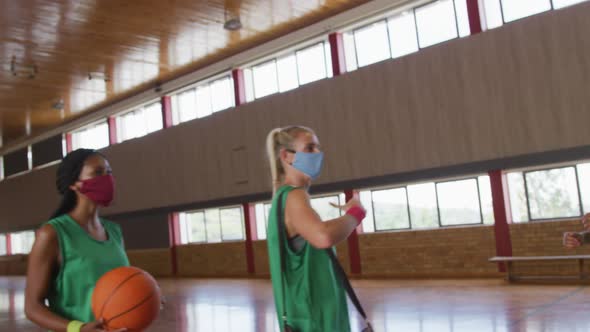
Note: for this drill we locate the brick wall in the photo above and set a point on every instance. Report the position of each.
(446, 252)
(158, 262)
(226, 259)
(544, 238)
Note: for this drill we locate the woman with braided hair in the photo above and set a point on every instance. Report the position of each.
(75, 248)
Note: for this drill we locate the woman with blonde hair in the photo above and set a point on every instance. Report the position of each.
(308, 294)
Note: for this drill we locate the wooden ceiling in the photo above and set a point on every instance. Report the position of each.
(48, 48)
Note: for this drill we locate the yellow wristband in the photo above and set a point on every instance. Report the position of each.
(75, 326)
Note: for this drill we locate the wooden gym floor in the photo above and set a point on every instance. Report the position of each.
(396, 305)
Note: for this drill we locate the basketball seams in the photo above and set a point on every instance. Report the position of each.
(114, 291)
(142, 302)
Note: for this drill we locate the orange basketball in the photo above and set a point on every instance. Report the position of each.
(126, 297)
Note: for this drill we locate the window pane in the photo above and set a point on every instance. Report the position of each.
(22, 243)
(265, 79)
(94, 137)
(517, 195)
(260, 221)
(2, 244)
(462, 18)
(493, 13)
(436, 22)
(311, 64)
(222, 94)
(249, 82)
(287, 68)
(153, 117)
(517, 9)
(557, 4)
(553, 193)
(196, 227)
(584, 183)
(369, 222)
(213, 225)
(232, 226)
(485, 194)
(349, 51)
(322, 206)
(328, 58)
(402, 33)
(391, 209)
(458, 202)
(187, 106)
(423, 208)
(372, 44)
(203, 101)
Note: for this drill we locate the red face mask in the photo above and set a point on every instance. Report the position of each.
(100, 189)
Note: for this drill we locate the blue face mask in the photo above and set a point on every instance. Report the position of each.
(308, 163)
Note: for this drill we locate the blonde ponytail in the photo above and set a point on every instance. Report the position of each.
(277, 139)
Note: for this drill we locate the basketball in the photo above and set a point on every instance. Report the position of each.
(126, 297)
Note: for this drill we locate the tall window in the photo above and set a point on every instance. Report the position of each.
(139, 122)
(22, 242)
(203, 100)
(91, 137)
(429, 205)
(549, 193)
(212, 225)
(3, 245)
(406, 32)
(288, 71)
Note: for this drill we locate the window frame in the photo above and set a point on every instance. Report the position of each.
(523, 173)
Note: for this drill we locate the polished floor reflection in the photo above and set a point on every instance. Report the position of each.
(420, 306)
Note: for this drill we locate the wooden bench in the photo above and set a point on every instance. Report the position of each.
(511, 259)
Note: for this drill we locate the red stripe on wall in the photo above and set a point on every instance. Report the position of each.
(112, 121)
(474, 18)
(166, 102)
(337, 53)
(249, 219)
(501, 216)
(354, 253)
(174, 239)
(239, 86)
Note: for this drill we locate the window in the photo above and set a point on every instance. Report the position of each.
(140, 122)
(262, 214)
(458, 202)
(22, 243)
(498, 12)
(3, 245)
(548, 194)
(390, 208)
(436, 22)
(288, 71)
(372, 43)
(406, 32)
(1, 168)
(429, 205)
(584, 181)
(402, 32)
(203, 100)
(212, 225)
(91, 137)
(558, 4)
(513, 10)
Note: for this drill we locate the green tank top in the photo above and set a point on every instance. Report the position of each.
(84, 261)
(315, 300)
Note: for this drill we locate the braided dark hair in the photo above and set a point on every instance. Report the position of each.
(67, 174)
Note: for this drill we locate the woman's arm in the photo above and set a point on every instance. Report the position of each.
(302, 219)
